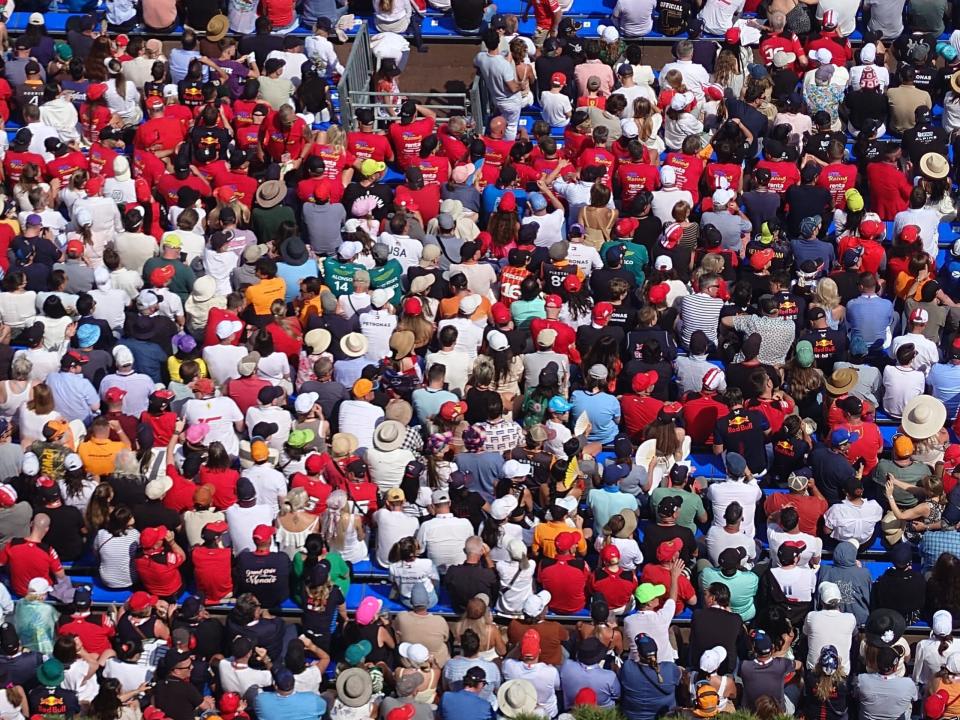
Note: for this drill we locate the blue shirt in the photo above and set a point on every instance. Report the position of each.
(427, 402)
(607, 502)
(456, 667)
(298, 706)
(491, 198)
(603, 411)
(179, 61)
(936, 542)
(643, 696)
(148, 358)
(813, 249)
(574, 676)
(486, 468)
(293, 274)
(868, 318)
(944, 382)
(463, 704)
(73, 395)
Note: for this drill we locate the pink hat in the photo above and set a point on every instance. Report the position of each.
(363, 206)
(196, 433)
(369, 610)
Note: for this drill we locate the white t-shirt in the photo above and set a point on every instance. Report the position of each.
(221, 361)
(829, 627)
(391, 527)
(718, 540)
(556, 109)
(544, 678)
(469, 335)
(405, 249)
(656, 625)
(748, 495)
(550, 231)
(242, 521)
(846, 11)
(851, 522)
(799, 584)
(718, 15)
(129, 675)
(900, 385)
(270, 484)
(386, 468)
(516, 585)
(442, 539)
(458, 364)
(377, 326)
(240, 678)
(359, 418)
(634, 17)
(584, 257)
(776, 537)
(927, 353)
(270, 414)
(220, 413)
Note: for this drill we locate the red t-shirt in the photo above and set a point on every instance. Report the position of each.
(689, 168)
(180, 496)
(406, 139)
(160, 573)
(837, 179)
(775, 411)
(214, 317)
(575, 143)
(809, 508)
(247, 136)
(427, 199)
(62, 168)
(597, 102)
(868, 446)
(600, 157)
(317, 489)
(243, 112)
(638, 412)
(658, 574)
(93, 120)
(334, 161)
(169, 185)
(873, 252)
(700, 415)
(94, 632)
(164, 131)
(635, 177)
(364, 494)
(435, 169)
(496, 151)
(543, 11)
(369, 146)
(545, 165)
(244, 185)
(307, 189)
(566, 337)
(148, 166)
(616, 587)
(26, 560)
(276, 140)
(163, 426)
(788, 42)
(730, 171)
(101, 159)
(212, 569)
(280, 12)
(14, 162)
(565, 578)
(453, 147)
(224, 483)
(244, 390)
(783, 174)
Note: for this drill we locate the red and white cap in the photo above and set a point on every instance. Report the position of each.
(671, 235)
(558, 79)
(8, 496)
(829, 19)
(919, 316)
(713, 379)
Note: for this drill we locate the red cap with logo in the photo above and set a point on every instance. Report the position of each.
(558, 79)
(75, 247)
(114, 394)
(658, 293)
(572, 283)
(262, 533)
(602, 312)
(500, 313)
(141, 600)
(566, 541)
(553, 301)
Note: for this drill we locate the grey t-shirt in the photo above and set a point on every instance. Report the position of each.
(731, 227)
(497, 71)
(886, 17)
(323, 223)
(767, 679)
(885, 697)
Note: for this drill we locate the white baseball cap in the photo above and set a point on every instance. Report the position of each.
(712, 658)
(513, 468)
(414, 652)
(226, 328)
(829, 593)
(534, 605)
(305, 401)
(39, 586)
(503, 507)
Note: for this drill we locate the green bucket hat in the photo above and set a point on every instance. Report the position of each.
(300, 438)
(50, 674)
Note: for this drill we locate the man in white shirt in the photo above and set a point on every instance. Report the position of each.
(695, 76)
(544, 677)
(442, 538)
(481, 277)
(928, 354)
(220, 415)
(221, 360)
(110, 301)
(925, 217)
(405, 249)
(730, 535)
(629, 87)
(39, 131)
(738, 486)
(269, 409)
(634, 17)
(270, 484)
(469, 334)
(377, 324)
(549, 224)
(829, 626)
(320, 50)
(237, 676)
(655, 623)
(359, 415)
(584, 256)
(392, 524)
(868, 54)
(457, 362)
(788, 529)
(845, 14)
(387, 460)
(668, 195)
(244, 515)
(293, 57)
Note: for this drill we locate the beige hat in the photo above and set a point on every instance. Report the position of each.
(204, 288)
(892, 528)
(923, 417)
(402, 342)
(934, 165)
(318, 340)
(389, 435)
(252, 253)
(517, 697)
(270, 193)
(422, 283)
(428, 255)
(344, 444)
(157, 488)
(353, 345)
(217, 28)
(546, 337)
(399, 410)
(248, 364)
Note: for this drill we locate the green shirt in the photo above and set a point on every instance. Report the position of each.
(266, 221)
(338, 276)
(912, 474)
(339, 574)
(388, 278)
(634, 259)
(691, 507)
(743, 589)
(183, 276)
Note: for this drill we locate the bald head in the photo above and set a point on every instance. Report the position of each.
(40, 525)
(498, 126)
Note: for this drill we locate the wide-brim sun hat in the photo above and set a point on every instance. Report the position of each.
(934, 165)
(923, 417)
(270, 193)
(842, 381)
(517, 697)
(354, 687)
(629, 524)
(354, 345)
(389, 435)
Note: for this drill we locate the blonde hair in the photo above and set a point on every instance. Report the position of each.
(336, 138)
(336, 519)
(827, 294)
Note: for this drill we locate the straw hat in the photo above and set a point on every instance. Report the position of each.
(270, 193)
(318, 340)
(402, 342)
(389, 435)
(892, 528)
(517, 697)
(353, 345)
(934, 165)
(344, 444)
(842, 381)
(217, 28)
(923, 417)
(354, 687)
(955, 82)
(629, 524)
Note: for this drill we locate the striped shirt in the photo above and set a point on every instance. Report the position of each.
(699, 312)
(116, 557)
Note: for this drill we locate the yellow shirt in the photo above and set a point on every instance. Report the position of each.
(174, 363)
(99, 456)
(262, 295)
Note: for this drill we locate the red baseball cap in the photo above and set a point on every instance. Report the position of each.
(314, 464)
(572, 283)
(761, 258)
(262, 533)
(508, 202)
(75, 247)
(610, 555)
(566, 541)
(672, 234)
(114, 394)
(602, 312)
(204, 385)
(871, 228)
(732, 35)
(219, 527)
(643, 380)
(95, 184)
(162, 275)
(152, 536)
(412, 306)
(585, 696)
(558, 78)
(141, 600)
(668, 549)
(909, 234)
(453, 411)
(96, 91)
(951, 457)
(530, 644)
(500, 313)
(627, 226)
(554, 301)
(658, 293)
(153, 102)
(8, 496)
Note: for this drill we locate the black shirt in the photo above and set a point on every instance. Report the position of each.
(672, 18)
(260, 45)
(653, 535)
(755, 121)
(864, 104)
(807, 201)
(465, 581)
(600, 282)
(319, 621)
(713, 626)
(65, 535)
(818, 143)
(266, 575)
(197, 13)
(153, 513)
(761, 206)
(178, 699)
(922, 139)
(38, 276)
(50, 702)
(902, 590)
(268, 633)
(832, 471)
(744, 431)
(587, 336)
(467, 14)
(21, 669)
(848, 284)
(382, 193)
(829, 347)
(785, 82)
(546, 66)
(209, 635)
(648, 234)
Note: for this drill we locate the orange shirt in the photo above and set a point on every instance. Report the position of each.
(450, 308)
(99, 456)
(262, 295)
(545, 534)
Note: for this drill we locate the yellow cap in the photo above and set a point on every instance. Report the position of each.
(362, 388)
